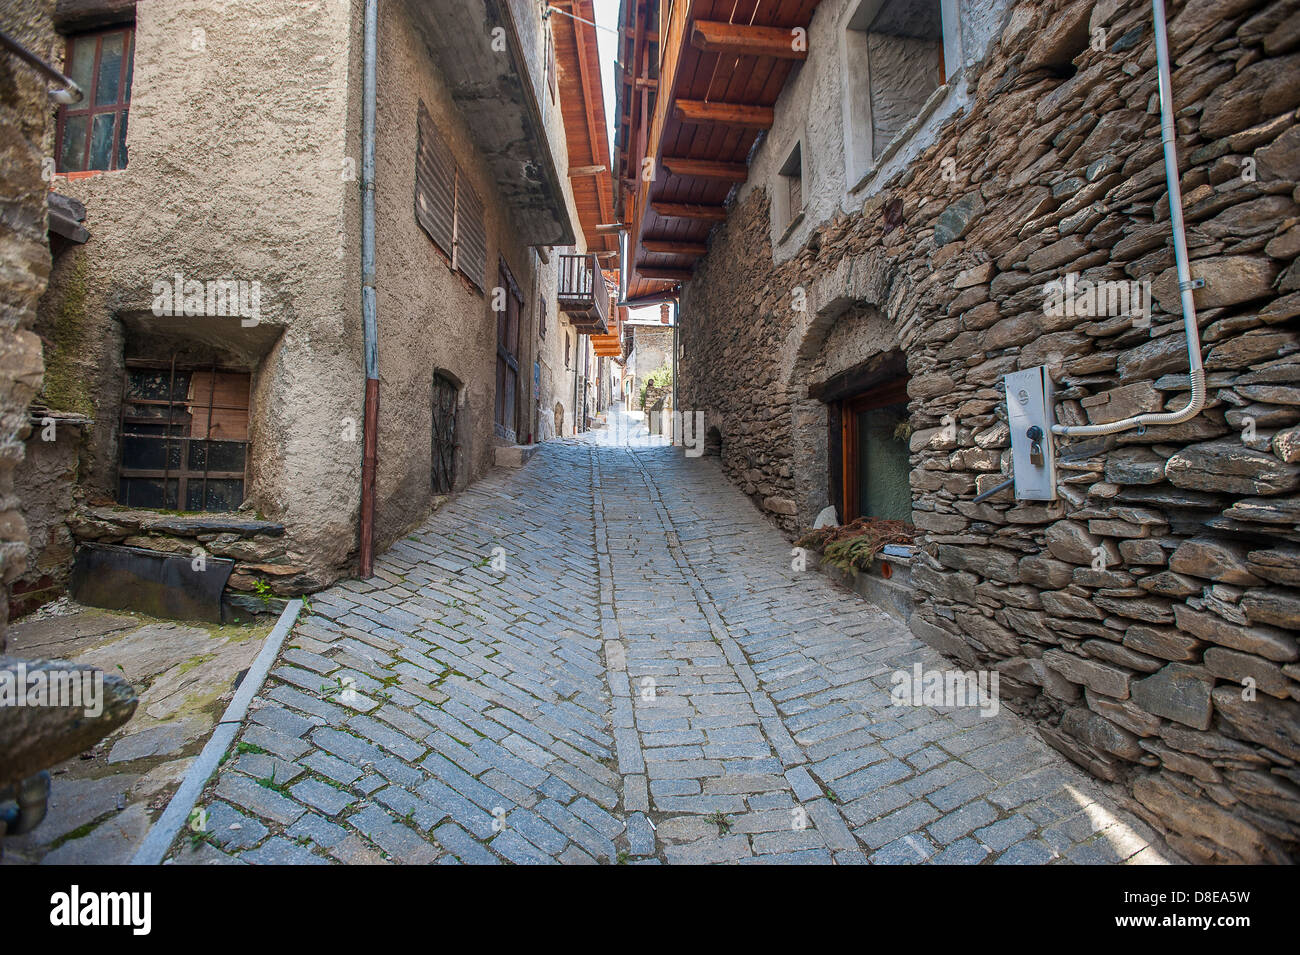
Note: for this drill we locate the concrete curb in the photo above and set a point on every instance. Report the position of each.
(164, 831)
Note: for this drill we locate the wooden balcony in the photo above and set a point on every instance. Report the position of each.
(583, 295)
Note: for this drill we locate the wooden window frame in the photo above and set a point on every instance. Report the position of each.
(552, 77)
(120, 108)
(184, 474)
(848, 409)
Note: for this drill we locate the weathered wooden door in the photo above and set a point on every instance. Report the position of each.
(507, 357)
(444, 434)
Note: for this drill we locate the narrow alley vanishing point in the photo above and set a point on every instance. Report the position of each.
(644, 678)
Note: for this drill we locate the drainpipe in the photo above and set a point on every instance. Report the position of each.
(677, 311)
(369, 325)
(1185, 284)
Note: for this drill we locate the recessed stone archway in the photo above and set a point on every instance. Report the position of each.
(853, 316)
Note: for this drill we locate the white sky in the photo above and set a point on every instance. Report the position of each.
(607, 16)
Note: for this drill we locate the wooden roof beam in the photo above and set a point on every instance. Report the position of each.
(674, 275)
(744, 39)
(706, 169)
(725, 114)
(672, 247)
(686, 210)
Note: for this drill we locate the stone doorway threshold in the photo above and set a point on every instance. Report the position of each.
(103, 802)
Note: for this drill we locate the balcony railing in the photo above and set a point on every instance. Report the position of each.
(583, 295)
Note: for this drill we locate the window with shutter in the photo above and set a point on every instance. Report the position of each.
(435, 184)
(471, 234)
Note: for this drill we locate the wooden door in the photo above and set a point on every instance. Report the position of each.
(508, 358)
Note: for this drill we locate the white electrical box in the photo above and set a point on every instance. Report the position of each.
(1031, 411)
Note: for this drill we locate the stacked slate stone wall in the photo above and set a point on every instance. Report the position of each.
(25, 256)
(1147, 621)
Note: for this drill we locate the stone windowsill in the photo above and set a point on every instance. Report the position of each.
(163, 522)
(903, 135)
(789, 229)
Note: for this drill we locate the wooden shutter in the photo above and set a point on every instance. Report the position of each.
(435, 184)
(471, 235)
(226, 393)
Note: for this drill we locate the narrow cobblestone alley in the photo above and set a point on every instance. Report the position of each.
(637, 674)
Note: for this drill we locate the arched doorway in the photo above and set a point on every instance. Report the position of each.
(847, 343)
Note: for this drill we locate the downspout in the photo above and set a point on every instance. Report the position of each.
(1196, 372)
(369, 325)
(677, 311)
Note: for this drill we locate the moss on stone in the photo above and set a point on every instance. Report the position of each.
(66, 387)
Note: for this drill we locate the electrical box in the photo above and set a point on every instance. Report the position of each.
(1030, 413)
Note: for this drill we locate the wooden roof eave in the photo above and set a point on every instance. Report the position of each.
(687, 195)
(670, 63)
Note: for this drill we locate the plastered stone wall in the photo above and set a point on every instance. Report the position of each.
(25, 268)
(244, 162)
(1147, 621)
(243, 125)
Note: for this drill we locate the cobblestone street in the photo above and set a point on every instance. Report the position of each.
(644, 678)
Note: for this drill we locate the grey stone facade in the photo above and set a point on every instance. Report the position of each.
(25, 252)
(1147, 620)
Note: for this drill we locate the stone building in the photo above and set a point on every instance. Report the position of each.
(25, 252)
(206, 340)
(650, 349)
(876, 209)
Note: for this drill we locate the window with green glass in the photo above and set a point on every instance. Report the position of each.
(92, 132)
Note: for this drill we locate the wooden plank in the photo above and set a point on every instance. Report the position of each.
(743, 115)
(670, 247)
(707, 169)
(576, 172)
(652, 146)
(742, 39)
(675, 275)
(682, 210)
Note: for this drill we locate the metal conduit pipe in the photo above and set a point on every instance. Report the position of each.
(1196, 371)
(71, 93)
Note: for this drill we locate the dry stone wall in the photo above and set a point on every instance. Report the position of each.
(25, 254)
(1148, 619)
